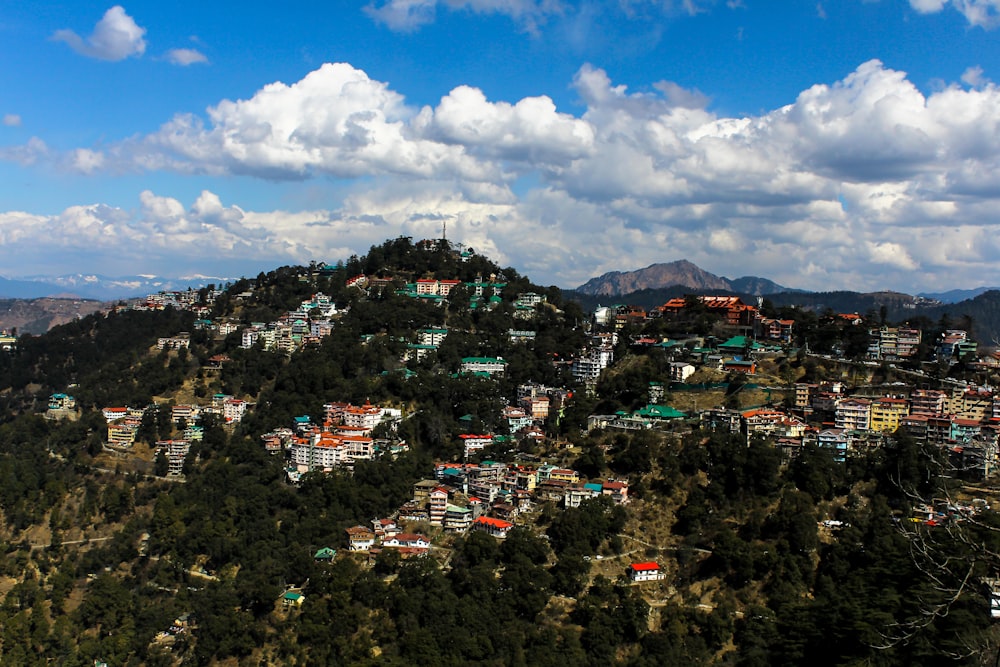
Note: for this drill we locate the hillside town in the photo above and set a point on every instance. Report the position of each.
(519, 415)
(847, 415)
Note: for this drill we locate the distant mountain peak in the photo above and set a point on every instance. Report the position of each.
(679, 272)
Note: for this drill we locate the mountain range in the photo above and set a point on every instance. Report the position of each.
(681, 272)
(101, 288)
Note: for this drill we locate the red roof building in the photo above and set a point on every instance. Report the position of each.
(647, 571)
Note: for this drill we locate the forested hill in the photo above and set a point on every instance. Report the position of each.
(232, 552)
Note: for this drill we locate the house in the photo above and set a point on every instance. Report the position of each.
(521, 335)
(575, 494)
(928, 402)
(122, 435)
(732, 308)
(326, 555)
(360, 538)
(183, 411)
(658, 413)
(804, 393)
(292, 600)
(61, 402)
(473, 443)
(517, 418)
(853, 414)
(384, 528)
(680, 371)
(618, 491)
(457, 519)
(740, 345)
(233, 410)
(432, 337)
(762, 420)
(495, 527)
(588, 367)
(774, 329)
(536, 406)
(437, 505)
(887, 413)
(648, 571)
(488, 365)
(835, 440)
(113, 414)
(408, 544)
(176, 452)
(740, 366)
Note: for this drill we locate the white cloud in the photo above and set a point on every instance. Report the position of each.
(86, 161)
(862, 183)
(11, 120)
(403, 15)
(335, 120)
(973, 76)
(928, 6)
(410, 15)
(185, 57)
(116, 37)
(982, 13)
(530, 130)
(28, 154)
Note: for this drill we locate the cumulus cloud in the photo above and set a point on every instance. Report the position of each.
(103, 238)
(115, 37)
(530, 130)
(982, 13)
(11, 120)
(185, 57)
(336, 120)
(853, 184)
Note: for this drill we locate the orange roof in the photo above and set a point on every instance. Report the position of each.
(496, 523)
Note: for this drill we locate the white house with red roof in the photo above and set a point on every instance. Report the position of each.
(113, 414)
(647, 571)
(474, 442)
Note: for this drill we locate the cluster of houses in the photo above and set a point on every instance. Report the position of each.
(535, 402)
(123, 422)
(343, 438)
(485, 496)
(308, 324)
(482, 294)
(965, 420)
(199, 301)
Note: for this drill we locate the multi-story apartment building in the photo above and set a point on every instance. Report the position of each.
(893, 342)
(928, 402)
(853, 414)
(804, 393)
(887, 414)
(488, 365)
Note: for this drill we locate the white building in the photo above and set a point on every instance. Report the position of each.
(490, 365)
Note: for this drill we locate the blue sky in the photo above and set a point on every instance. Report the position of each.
(826, 145)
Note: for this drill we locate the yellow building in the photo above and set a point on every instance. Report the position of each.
(888, 413)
